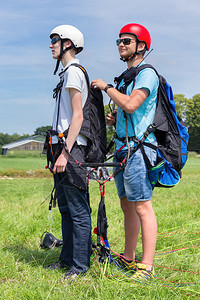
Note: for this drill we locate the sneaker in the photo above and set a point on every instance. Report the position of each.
(143, 275)
(57, 265)
(71, 274)
(124, 264)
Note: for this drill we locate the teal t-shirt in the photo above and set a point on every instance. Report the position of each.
(143, 116)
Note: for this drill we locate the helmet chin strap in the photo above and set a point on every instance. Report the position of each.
(62, 52)
(132, 56)
(129, 58)
(57, 66)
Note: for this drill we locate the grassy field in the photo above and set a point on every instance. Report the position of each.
(23, 164)
(23, 220)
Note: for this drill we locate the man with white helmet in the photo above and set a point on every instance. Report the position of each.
(70, 181)
(136, 109)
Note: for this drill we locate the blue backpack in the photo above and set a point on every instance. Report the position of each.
(170, 131)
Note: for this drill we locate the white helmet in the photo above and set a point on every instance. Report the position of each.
(70, 32)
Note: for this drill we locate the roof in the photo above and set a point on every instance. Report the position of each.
(36, 138)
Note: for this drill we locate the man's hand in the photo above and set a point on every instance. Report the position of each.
(61, 162)
(98, 84)
(111, 118)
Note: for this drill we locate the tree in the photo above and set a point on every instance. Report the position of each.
(193, 111)
(42, 130)
(193, 119)
(181, 106)
(5, 138)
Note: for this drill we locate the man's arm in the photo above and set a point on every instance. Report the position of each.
(125, 102)
(74, 129)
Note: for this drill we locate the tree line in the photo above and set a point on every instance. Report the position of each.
(188, 109)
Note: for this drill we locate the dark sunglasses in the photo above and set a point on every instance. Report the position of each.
(55, 40)
(125, 41)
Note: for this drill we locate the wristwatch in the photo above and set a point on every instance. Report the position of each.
(108, 86)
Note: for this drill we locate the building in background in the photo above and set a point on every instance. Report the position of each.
(33, 143)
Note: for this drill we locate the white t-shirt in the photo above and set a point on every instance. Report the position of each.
(73, 78)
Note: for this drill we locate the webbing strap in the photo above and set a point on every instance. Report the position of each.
(102, 189)
(146, 159)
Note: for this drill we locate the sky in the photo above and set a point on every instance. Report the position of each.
(26, 64)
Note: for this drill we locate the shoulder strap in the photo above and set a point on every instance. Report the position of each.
(142, 67)
(83, 70)
(128, 76)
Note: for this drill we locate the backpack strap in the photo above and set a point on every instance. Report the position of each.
(85, 73)
(60, 84)
(128, 76)
(145, 66)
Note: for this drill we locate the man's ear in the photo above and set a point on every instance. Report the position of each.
(141, 46)
(67, 44)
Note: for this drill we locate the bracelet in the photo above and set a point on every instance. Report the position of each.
(108, 86)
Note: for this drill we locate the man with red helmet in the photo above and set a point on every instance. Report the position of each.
(136, 109)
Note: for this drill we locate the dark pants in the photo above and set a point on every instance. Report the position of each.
(76, 220)
(76, 224)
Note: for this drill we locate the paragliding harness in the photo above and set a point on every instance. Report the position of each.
(169, 129)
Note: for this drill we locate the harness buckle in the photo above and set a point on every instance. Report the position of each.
(61, 135)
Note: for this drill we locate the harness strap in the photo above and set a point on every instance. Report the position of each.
(146, 159)
(50, 142)
(140, 146)
(123, 139)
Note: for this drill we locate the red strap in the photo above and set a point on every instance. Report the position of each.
(121, 148)
(51, 146)
(102, 189)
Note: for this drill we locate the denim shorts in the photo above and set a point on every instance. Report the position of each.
(133, 181)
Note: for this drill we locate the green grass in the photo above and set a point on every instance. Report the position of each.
(24, 160)
(23, 219)
(23, 164)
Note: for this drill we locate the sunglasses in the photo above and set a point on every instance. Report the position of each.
(125, 41)
(55, 40)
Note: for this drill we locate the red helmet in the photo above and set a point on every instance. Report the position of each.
(139, 31)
